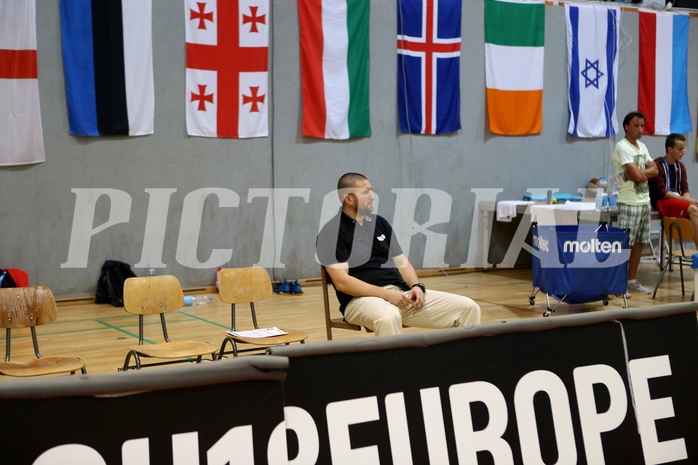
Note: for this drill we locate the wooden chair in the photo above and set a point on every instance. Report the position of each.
(676, 230)
(29, 307)
(339, 323)
(249, 286)
(158, 295)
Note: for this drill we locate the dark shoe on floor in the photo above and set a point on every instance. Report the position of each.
(283, 287)
(296, 287)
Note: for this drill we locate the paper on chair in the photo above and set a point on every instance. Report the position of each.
(265, 332)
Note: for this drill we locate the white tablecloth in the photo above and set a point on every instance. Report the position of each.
(506, 209)
(559, 214)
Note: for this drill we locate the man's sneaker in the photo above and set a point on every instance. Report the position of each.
(637, 287)
(283, 287)
(296, 287)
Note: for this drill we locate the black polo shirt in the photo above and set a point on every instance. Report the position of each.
(367, 248)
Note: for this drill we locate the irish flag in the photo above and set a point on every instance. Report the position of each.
(334, 68)
(663, 72)
(514, 37)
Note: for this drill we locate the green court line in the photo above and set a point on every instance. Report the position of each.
(121, 330)
(103, 322)
(196, 317)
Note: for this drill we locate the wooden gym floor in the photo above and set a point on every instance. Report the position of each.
(102, 334)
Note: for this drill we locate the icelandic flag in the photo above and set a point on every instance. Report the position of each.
(592, 69)
(108, 66)
(663, 73)
(428, 47)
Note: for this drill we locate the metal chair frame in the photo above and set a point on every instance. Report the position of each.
(249, 286)
(158, 295)
(29, 307)
(676, 230)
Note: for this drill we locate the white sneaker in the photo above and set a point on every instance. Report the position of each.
(637, 287)
(627, 295)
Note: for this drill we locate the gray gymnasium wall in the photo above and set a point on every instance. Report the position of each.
(152, 184)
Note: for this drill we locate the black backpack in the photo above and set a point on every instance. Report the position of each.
(110, 287)
(6, 280)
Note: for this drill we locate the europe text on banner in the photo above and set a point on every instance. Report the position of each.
(592, 69)
(514, 39)
(428, 60)
(334, 68)
(108, 66)
(227, 67)
(663, 72)
(21, 139)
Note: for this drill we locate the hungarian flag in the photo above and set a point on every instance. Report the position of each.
(227, 67)
(108, 66)
(663, 73)
(21, 140)
(334, 68)
(592, 68)
(514, 39)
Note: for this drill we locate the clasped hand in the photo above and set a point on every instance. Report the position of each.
(414, 297)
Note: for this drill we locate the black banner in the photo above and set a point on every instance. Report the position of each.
(618, 392)
(225, 422)
(614, 387)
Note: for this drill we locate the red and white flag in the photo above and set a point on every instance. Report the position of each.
(227, 67)
(21, 139)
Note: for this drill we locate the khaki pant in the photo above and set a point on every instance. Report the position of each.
(440, 310)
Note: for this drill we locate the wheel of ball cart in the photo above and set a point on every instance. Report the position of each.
(605, 301)
(532, 300)
(548, 312)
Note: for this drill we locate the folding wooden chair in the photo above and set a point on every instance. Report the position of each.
(677, 230)
(339, 323)
(29, 307)
(249, 286)
(159, 295)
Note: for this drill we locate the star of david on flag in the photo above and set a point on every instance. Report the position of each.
(592, 69)
(592, 74)
(227, 67)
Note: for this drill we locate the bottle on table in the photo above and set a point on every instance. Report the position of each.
(190, 300)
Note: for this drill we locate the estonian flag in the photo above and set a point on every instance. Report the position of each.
(108, 64)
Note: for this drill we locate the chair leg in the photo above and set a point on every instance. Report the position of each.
(136, 359)
(683, 290)
(232, 345)
(661, 276)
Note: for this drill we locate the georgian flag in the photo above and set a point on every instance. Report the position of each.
(227, 45)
